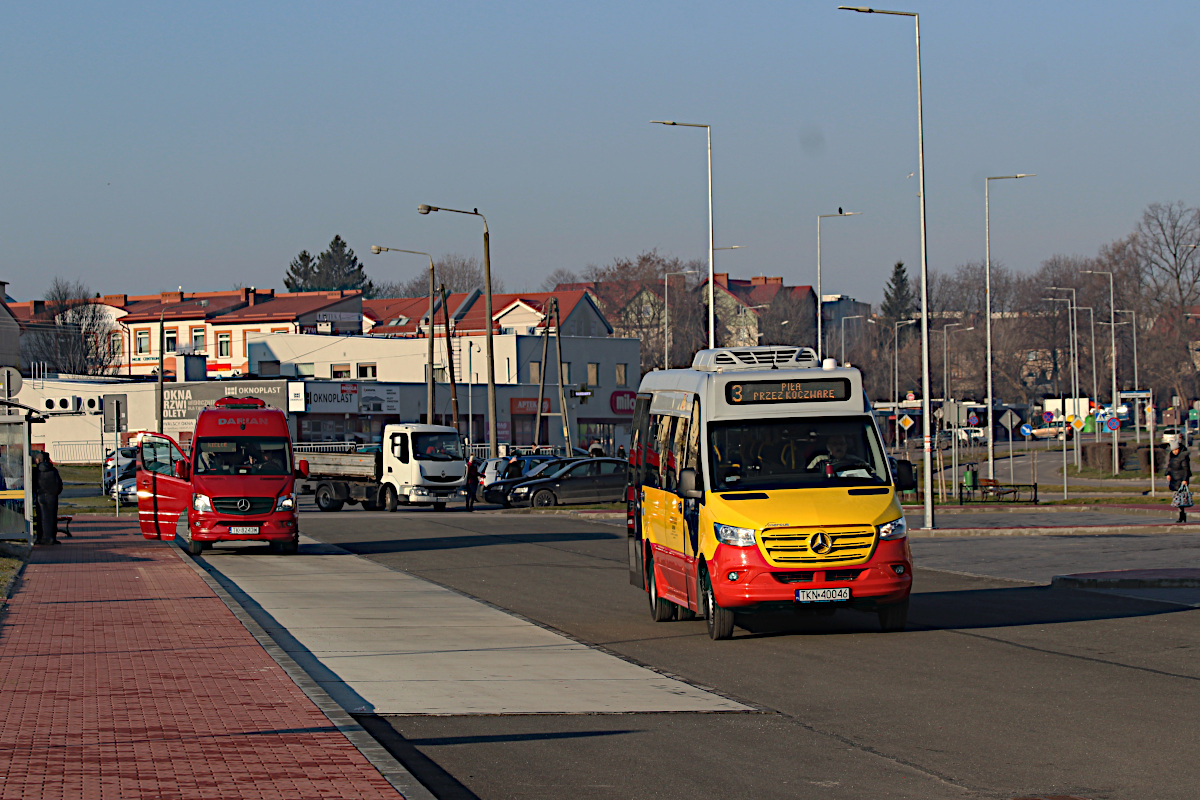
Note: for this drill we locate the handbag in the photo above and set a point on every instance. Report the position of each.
(1182, 498)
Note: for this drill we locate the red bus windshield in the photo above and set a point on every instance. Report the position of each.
(243, 455)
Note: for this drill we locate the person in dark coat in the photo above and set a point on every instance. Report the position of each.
(49, 486)
(1179, 470)
(472, 482)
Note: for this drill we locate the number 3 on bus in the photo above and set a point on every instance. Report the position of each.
(758, 481)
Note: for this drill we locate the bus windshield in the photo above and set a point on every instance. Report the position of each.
(801, 453)
(243, 455)
(437, 446)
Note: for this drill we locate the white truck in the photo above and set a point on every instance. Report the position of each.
(416, 465)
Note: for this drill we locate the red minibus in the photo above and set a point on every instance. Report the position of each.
(236, 485)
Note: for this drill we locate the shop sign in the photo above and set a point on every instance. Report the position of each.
(621, 401)
(527, 405)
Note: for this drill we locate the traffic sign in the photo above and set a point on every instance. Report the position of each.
(1071, 418)
(973, 419)
(1048, 416)
(1009, 419)
(910, 396)
(1077, 423)
(906, 422)
(1113, 424)
(1026, 429)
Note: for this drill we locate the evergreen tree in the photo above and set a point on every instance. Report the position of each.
(899, 299)
(301, 272)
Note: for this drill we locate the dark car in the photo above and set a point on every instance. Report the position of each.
(497, 491)
(589, 480)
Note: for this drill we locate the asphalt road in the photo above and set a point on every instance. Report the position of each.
(1002, 688)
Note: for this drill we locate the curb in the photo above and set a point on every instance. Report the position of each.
(1065, 530)
(1130, 580)
(389, 767)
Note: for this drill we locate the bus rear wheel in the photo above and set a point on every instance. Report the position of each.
(893, 618)
(660, 610)
(719, 620)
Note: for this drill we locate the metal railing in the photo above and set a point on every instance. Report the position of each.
(325, 447)
(78, 452)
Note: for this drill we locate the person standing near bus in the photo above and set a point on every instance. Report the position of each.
(49, 487)
(1179, 470)
(472, 482)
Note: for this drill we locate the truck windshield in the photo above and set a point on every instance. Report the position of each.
(243, 455)
(796, 454)
(437, 446)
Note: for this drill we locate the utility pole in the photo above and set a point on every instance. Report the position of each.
(450, 360)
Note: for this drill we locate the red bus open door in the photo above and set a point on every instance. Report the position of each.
(164, 485)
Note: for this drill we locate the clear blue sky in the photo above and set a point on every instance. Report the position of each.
(204, 144)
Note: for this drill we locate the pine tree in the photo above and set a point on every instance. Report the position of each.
(301, 273)
(899, 299)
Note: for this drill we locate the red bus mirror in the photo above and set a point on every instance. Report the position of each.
(302, 468)
(182, 471)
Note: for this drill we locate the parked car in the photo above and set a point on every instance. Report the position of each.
(1177, 432)
(490, 470)
(1053, 430)
(125, 491)
(522, 465)
(970, 436)
(497, 491)
(123, 459)
(943, 440)
(589, 480)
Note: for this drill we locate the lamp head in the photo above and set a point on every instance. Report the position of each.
(376, 249)
(662, 122)
(859, 9)
(424, 209)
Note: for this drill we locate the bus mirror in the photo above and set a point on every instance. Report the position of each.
(181, 471)
(687, 484)
(906, 479)
(302, 468)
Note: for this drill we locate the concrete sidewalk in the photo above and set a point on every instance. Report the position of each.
(123, 675)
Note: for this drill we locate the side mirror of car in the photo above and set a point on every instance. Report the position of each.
(302, 468)
(906, 479)
(182, 471)
(687, 484)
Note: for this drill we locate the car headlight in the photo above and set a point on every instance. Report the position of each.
(286, 502)
(738, 537)
(896, 529)
(521, 490)
(202, 503)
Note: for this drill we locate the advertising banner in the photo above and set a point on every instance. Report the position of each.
(527, 405)
(331, 398)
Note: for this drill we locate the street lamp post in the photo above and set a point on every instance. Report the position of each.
(987, 312)
(712, 294)
(493, 446)
(471, 348)
(1112, 311)
(1073, 327)
(855, 316)
(429, 388)
(946, 393)
(667, 314)
(925, 421)
(1095, 386)
(1137, 427)
(1070, 363)
(820, 338)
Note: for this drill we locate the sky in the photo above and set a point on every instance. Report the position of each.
(147, 146)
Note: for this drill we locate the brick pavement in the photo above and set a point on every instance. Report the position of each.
(123, 676)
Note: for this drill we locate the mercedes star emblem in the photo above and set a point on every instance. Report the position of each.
(243, 504)
(820, 543)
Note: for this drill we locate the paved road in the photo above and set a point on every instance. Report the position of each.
(1001, 689)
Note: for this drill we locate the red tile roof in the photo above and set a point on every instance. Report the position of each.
(472, 317)
(288, 306)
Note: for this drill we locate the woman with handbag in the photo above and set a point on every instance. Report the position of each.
(1179, 470)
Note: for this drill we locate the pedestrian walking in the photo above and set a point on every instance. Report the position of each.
(472, 482)
(1179, 470)
(621, 452)
(596, 450)
(49, 486)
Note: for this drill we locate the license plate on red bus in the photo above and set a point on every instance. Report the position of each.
(821, 595)
(247, 530)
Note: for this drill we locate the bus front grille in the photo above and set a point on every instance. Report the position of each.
(791, 546)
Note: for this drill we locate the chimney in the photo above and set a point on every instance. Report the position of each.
(253, 296)
(172, 297)
(721, 279)
(757, 280)
(245, 294)
(775, 281)
(119, 300)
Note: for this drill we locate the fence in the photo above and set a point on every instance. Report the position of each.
(76, 452)
(324, 447)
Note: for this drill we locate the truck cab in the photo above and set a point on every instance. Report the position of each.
(237, 483)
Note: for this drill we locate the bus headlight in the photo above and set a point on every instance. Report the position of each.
(896, 529)
(738, 537)
(286, 502)
(202, 503)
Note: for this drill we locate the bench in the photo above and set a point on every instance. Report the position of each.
(991, 487)
(989, 490)
(64, 524)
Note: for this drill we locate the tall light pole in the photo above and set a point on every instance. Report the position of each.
(667, 314)
(820, 338)
(1137, 427)
(1095, 386)
(987, 311)
(493, 446)
(855, 316)
(712, 293)
(1073, 327)
(429, 390)
(925, 413)
(471, 349)
(1070, 365)
(1112, 311)
(946, 356)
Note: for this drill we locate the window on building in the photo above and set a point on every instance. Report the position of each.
(535, 372)
(198, 343)
(224, 345)
(169, 340)
(305, 370)
(279, 330)
(366, 372)
(142, 340)
(115, 345)
(593, 378)
(339, 372)
(621, 375)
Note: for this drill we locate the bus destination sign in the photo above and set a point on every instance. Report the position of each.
(802, 391)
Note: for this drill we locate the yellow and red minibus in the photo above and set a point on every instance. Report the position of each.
(759, 481)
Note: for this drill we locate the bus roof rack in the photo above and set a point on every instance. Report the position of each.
(769, 356)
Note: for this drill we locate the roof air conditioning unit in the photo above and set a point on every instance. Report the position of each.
(93, 404)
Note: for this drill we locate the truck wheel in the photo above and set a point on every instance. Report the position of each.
(326, 500)
(389, 498)
(720, 620)
(893, 618)
(543, 499)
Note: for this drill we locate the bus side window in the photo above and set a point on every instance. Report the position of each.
(400, 447)
(693, 442)
(637, 445)
(666, 452)
(679, 449)
(650, 463)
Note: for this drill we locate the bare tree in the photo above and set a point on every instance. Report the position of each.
(70, 333)
(557, 278)
(458, 272)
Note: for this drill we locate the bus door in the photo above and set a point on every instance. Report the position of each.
(164, 486)
(681, 515)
